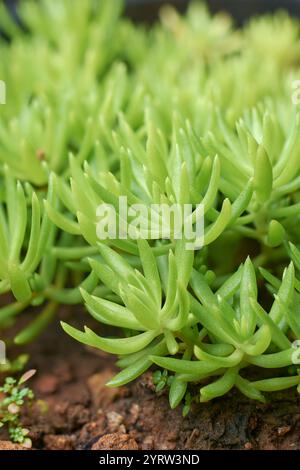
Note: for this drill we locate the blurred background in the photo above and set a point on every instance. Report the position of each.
(147, 10)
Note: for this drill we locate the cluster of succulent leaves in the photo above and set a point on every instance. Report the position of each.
(190, 110)
(15, 396)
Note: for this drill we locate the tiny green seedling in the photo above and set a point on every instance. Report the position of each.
(161, 379)
(15, 396)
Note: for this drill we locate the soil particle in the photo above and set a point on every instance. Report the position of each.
(47, 384)
(134, 413)
(114, 422)
(115, 441)
(248, 446)
(101, 395)
(148, 443)
(61, 442)
(283, 430)
(92, 430)
(7, 445)
(74, 417)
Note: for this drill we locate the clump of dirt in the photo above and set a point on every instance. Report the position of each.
(75, 410)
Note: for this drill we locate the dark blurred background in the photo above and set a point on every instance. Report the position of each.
(147, 10)
(241, 10)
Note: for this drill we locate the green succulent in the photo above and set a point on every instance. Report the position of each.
(188, 111)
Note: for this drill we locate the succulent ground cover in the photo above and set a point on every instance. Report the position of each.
(189, 111)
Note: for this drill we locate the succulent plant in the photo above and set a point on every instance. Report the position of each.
(189, 111)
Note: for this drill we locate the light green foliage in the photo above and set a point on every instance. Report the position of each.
(190, 110)
(14, 365)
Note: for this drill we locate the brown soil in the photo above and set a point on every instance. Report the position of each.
(74, 409)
